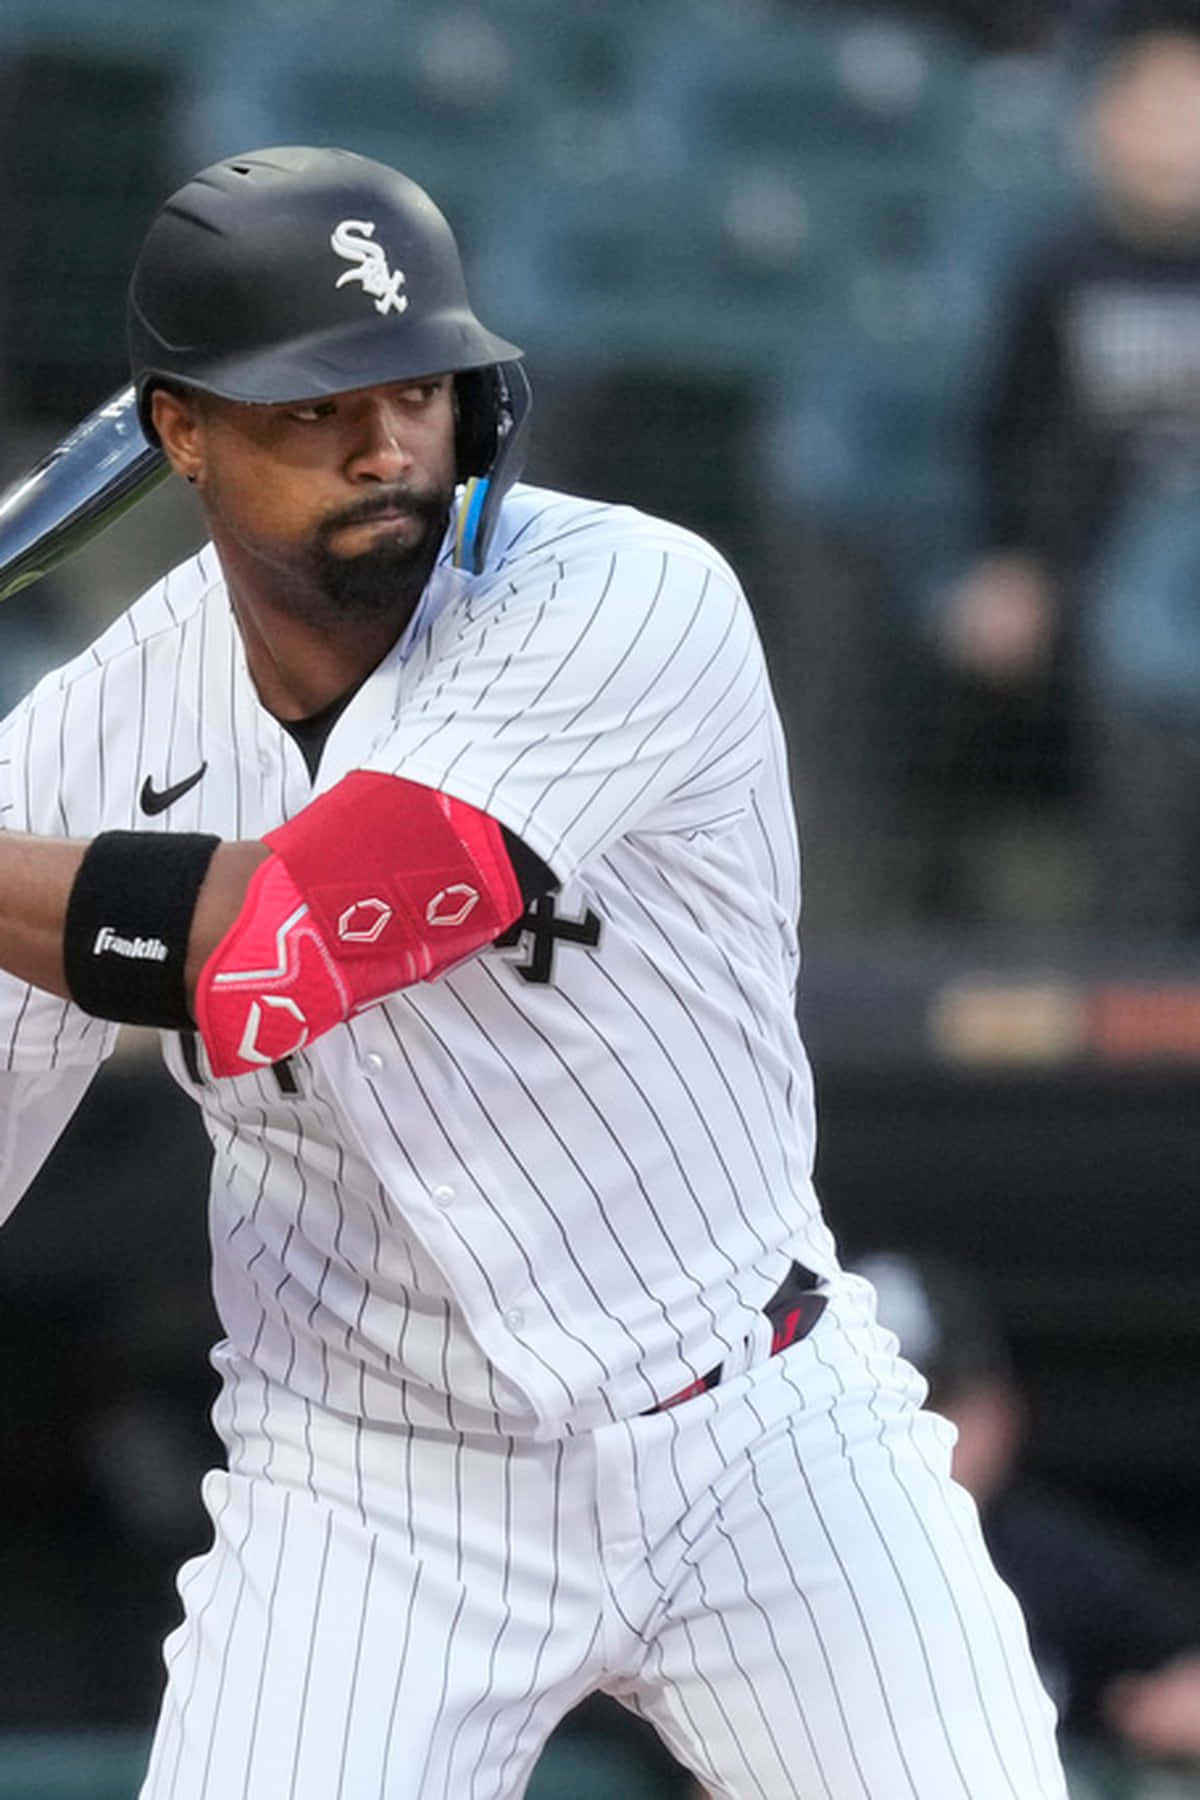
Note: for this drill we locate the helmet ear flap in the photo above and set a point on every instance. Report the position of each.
(493, 422)
(476, 403)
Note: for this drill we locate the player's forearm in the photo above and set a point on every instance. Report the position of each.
(36, 878)
(218, 904)
(37, 875)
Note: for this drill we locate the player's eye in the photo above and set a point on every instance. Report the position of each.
(420, 393)
(312, 411)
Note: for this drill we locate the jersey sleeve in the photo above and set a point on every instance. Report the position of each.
(38, 1031)
(582, 698)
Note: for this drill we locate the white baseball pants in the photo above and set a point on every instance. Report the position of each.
(779, 1573)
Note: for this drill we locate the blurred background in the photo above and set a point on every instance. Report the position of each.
(898, 304)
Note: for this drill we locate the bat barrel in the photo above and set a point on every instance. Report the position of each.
(92, 476)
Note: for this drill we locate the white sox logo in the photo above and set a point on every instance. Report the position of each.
(544, 926)
(351, 240)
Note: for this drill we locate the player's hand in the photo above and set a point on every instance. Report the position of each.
(999, 621)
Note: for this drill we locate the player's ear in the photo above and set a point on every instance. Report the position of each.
(178, 419)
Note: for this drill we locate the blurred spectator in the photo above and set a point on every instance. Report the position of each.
(1074, 641)
(1115, 1634)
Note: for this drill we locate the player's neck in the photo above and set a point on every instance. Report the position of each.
(298, 666)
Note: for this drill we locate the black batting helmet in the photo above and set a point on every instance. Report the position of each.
(288, 274)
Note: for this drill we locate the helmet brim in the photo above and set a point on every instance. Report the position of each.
(335, 362)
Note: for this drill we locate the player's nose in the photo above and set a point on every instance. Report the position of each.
(378, 444)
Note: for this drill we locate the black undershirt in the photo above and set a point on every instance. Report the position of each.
(312, 734)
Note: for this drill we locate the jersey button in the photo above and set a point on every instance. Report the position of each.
(372, 1062)
(514, 1318)
(443, 1197)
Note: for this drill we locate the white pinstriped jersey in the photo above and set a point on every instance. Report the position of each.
(557, 1184)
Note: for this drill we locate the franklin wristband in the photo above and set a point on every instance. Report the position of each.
(125, 937)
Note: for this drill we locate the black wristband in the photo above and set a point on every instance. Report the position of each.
(125, 936)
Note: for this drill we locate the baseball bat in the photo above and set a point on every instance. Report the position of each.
(94, 474)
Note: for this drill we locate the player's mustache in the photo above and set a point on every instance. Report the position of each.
(380, 504)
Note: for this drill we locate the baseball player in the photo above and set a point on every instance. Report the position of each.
(441, 825)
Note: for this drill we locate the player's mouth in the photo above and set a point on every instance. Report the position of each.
(405, 522)
(385, 511)
(393, 516)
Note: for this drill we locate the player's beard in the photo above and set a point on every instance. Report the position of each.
(388, 577)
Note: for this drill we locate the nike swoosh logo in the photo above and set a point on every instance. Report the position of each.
(155, 800)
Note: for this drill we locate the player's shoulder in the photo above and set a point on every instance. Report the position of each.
(151, 625)
(537, 524)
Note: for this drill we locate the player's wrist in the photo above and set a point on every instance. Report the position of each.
(127, 925)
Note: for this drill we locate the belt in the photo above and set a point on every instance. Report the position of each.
(792, 1310)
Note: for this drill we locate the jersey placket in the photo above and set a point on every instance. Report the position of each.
(442, 1194)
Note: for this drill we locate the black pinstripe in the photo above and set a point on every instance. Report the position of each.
(852, 1590)
(272, 1597)
(554, 1579)
(302, 1710)
(403, 1658)
(1003, 1649)
(359, 1638)
(179, 1719)
(803, 1601)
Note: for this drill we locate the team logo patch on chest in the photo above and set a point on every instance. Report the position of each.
(545, 928)
(353, 241)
